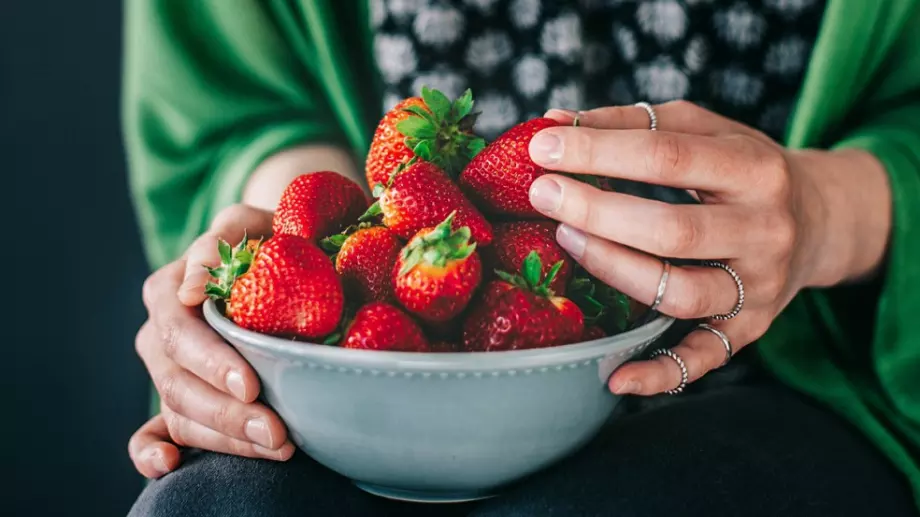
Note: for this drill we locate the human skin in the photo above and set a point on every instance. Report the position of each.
(784, 219)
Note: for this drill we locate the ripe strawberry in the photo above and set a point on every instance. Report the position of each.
(381, 326)
(318, 204)
(498, 179)
(593, 332)
(437, 272)
(288, 287)
(364, 260)
(432, 128)
(521, 312)
(421, 196)
(513, 241)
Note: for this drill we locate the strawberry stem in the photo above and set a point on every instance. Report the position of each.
(438, 247)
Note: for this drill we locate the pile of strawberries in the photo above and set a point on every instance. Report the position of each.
(423, 268)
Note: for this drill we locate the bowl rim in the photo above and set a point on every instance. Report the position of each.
(305, 351)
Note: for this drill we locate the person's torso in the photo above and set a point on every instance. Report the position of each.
(744, 59)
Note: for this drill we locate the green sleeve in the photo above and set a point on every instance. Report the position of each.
(857, 347)
(211, 88)
(891, 131)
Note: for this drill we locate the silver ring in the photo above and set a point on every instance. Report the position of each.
(725, 341)
(740, 303)
(684, 376)
(662, 284)
(652, 117)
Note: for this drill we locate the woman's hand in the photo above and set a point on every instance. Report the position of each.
(207, 390)
(782, 220)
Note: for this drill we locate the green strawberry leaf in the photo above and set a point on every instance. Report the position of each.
(216, 292)
(371, 212)
(411, 259)
(531, 269)
(437, 102)
(421, 112)
(474, 147)
(333, 339)
(333, 243)
(423, 150)
(463, 105)
(378, 190)
(417, 127)
(223, 247)
(551, 274)
(463, 252)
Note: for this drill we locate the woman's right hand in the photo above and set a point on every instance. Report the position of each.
(207, 390)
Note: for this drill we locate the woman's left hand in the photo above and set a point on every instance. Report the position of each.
(762, 212)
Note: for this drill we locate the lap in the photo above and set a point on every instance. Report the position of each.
(748, 450)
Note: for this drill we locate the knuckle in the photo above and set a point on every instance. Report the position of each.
(774, 175)
(229, 216)
(169, 386)
(782, 232)
(170, 335)
(177, 428)
(149, 290)
(680, 236)
(223, 417)
(772, 287)
(666, 156)
(142, 339)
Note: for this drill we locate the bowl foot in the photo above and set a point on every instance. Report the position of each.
(422, 496)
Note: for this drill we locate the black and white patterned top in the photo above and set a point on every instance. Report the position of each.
(744, 59)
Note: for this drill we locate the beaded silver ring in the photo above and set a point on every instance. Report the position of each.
(684, 375)
(740, 303)
(652, 116)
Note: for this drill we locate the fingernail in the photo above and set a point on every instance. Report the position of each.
(257, 432)
(282, 453)
(158, 462)
(195, 280)
(546, 148)
(572, 240)
(545, 195)
(561, 115)
(236, 385)
(628, 387)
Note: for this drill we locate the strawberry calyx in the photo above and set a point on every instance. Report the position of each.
(333, 243)
(438, 247)
(442, 133)
(234, 262)
(598, 301)
(530, 277)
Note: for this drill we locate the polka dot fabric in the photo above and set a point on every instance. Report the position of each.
(742, 58)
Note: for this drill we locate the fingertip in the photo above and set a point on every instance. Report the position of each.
(563, 116)
(283, 453)
(158, 459)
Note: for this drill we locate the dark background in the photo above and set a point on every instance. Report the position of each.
(74, 256)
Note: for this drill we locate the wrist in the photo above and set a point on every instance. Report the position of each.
(272, 176)
(845, 199)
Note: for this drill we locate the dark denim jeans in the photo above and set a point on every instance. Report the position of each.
(754, 449)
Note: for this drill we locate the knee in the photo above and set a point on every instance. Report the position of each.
(207, 484)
